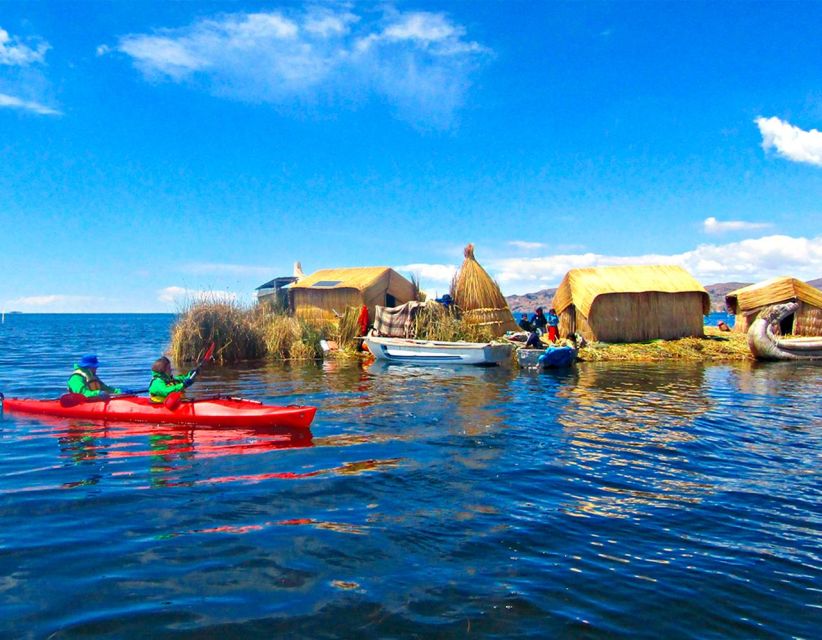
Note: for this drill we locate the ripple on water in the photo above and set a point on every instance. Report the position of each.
(611, 500)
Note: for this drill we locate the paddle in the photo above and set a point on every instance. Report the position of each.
(208, 355)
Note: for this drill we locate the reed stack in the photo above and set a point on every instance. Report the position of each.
(479, 299)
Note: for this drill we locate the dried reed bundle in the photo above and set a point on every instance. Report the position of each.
(288, 338)
(244, 333)
(223, 322)
(349, 328)
(435, 322)
(419, 294)
(479, 297)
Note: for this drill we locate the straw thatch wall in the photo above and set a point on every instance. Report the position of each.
(479, 298)
(748, 302)
(631, 303)
(316, 297)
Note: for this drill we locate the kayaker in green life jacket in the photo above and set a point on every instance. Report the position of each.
(164, 382)
(84, 380)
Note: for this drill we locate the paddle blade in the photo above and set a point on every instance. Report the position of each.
(209, 354)
(72, 399)
(173, 400)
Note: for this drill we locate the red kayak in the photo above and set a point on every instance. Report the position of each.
(212, 412)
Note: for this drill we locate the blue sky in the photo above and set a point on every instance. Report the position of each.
(150, 151)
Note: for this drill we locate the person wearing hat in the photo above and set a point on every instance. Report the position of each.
(164, 382)
(84, 379)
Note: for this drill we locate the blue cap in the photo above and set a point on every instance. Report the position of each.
(89, 361)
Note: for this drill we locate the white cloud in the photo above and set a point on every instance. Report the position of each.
(791, 142)
(15, 53)
(216, 268)
(747, 260)
(327, 23)
(161, 55)
(181, 295)
(432, 31)
(12, 102)
(420, 61)
(21, 87)
(712, 225)
(58, 303)
(430, 273)
(526, 246)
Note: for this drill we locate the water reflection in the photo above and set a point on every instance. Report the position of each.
(628, 428)
(472, 397)
(167, 449)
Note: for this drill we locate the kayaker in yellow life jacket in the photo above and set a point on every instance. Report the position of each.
(164, 382)
(84, 379)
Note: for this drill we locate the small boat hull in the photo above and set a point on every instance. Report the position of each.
(434, 352)
(213, 412)
(550, 358)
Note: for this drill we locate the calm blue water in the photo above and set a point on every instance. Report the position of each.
(632, 501)
(713, 318)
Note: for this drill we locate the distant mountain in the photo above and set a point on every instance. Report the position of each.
(528, 302)
(718, 291)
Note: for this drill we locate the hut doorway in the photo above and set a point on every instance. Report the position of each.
(786, 325)
(390, 301)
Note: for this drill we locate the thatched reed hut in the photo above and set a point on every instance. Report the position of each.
(631, 303)
(275, 291)
(479, 298)
(325, 293)
(747, 303)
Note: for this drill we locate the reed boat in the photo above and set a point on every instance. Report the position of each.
(766, 345)
(438, 352)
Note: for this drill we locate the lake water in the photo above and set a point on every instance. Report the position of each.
(614, 500)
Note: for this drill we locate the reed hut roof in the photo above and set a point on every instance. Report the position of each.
(359, 278)
(581, 287)
(772, 291)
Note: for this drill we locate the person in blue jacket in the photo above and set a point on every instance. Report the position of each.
(553, 325)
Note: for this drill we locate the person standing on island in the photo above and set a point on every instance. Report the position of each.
(164, 382)
(84, 379)
(539, 321)
(553, 325)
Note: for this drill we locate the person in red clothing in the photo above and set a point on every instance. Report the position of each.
(553, 325)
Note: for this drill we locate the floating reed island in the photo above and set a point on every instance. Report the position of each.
(324, 315)
(640, 313)
(715, 345)
(265, 332)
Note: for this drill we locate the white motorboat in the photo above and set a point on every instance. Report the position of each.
(435, 352)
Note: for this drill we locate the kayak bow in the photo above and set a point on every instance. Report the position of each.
(212, 412)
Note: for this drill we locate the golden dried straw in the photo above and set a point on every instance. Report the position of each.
(479, 298)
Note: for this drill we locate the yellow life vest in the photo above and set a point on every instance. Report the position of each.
(93, 383)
